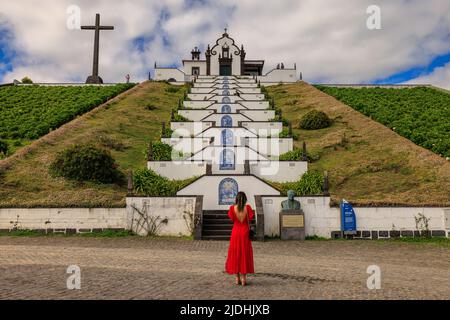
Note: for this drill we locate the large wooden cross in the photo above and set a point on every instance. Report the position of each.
(94, 78)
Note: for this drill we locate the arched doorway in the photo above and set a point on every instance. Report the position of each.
(228, 190)
(227, 122)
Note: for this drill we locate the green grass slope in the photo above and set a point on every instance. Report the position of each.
(369, 164)
(124, 125)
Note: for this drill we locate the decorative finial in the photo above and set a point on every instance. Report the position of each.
(226, 30)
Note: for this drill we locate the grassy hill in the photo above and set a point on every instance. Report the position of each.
(124, 125)
(368, 162)
(29, 112)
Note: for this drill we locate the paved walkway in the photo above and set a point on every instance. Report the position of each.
(138, 268)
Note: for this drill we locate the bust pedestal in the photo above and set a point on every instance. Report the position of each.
(292, 225)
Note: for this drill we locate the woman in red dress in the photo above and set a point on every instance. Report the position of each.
(240, 253)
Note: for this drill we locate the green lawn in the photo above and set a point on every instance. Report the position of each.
(29, 112)
(421, 114)
(368, 163)
(125, 126)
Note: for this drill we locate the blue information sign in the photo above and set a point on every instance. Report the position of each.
(348, 218)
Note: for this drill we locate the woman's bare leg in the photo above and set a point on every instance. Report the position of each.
(244, 279)
(238, 279)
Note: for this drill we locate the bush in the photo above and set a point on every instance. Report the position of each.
(27, 80)
(172, 89)
(86, 163)
(310, 184)
(315, 120)
(149, 183)
(3, 147)
(297, 155)
(161, 151)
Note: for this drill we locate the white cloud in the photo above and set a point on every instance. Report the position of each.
(440, 77)
(328, 39)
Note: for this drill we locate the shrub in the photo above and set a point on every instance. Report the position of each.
(161, 151)
(3, 147)
(310, 184)
(315, 120)
(86, 163)
(285, 134)
(172, 89)
(27, 80)
(149, 183)
(297, 155)
(179, 118)
(150, 107)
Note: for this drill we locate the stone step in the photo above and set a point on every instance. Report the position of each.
(217, 221)
(210, 227)
(207, 233)
(216, 238)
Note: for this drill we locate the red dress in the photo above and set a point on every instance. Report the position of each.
(240, 253)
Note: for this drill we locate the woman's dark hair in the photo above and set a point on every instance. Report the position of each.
(241, 201)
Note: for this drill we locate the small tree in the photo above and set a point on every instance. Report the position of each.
(27, 80)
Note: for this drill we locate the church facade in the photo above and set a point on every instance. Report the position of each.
(224, 58)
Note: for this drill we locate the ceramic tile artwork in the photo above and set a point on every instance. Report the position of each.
(228, 190)
(226, 122)
(226, 109)
(227, 160)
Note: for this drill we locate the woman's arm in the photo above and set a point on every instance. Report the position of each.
(231, 214)
(251, 213)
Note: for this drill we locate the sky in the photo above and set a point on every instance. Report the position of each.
(327, 39)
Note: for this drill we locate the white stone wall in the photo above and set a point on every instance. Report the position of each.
(234, 107)
(178, 170)
(271, 146)
(188, 65)
(163, 74)
(188, 129)
(279, 75)
(321, 219)
(264, 129)
(195, 115)
(197, 104)
(238, 133)
(279, 171)
(63, 218)
(252, 97)
(214, 154)
(174, 209)
(187, 145)
(217, 117)
(260, 105)
(249, 184)
(259, 115)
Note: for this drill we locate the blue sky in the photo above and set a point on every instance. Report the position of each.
(327, 39)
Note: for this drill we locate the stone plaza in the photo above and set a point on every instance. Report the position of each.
(142, 268)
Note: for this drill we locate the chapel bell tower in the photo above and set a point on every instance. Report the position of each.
(195, 54)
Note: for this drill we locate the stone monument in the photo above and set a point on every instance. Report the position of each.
(292, 219)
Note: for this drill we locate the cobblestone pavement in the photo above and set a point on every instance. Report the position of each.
(139, 268)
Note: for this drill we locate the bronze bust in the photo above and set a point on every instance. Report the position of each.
(291, 203)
